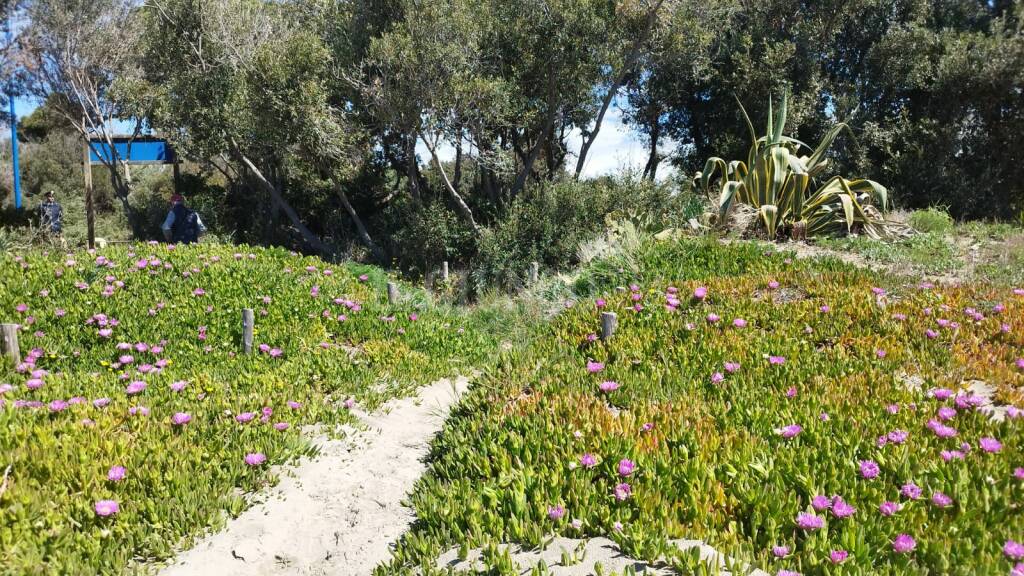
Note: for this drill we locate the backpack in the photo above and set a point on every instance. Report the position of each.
(185, 229)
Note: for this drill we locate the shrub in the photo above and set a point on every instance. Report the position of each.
(781, 186)
(549, 223)
(935, 219)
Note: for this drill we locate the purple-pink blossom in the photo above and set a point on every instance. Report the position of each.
(181, 418)
(255, 458)
(626, 467)
(869, 469)
(622, 491)
(106, 508)
(807, 521)
(116, 473)
(556, 512)
(903, 544)
(608, 386)
(889, 508)
(789, 431)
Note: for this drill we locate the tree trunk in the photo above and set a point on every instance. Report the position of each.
(544, 134)
(457, 175)
(412, 170)
(653, 159)
(459, 202)
(310, 238)
(631, 58)
(363, 234)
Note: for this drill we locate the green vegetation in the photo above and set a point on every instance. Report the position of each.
(777, 183)
(120, 342)
(782, 392)
(933, 219)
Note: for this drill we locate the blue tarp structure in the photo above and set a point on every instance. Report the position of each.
(144, 150)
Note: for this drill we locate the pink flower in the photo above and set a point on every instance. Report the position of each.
(946, 413)
(739, 323)
(821, 503)
(181, 418)
(869, 469)
(1018, 473)
(780, 551)
(135, 387)
(777, 360)
(840, 509)
(791, 393)
(57, 406)
(138, 410)
(713, 318)
(106, 508)
(990, 445)
(556, 512)
(281, 426)
(732, 367)
(245, 417)
(294, 405)
(825, 309)
(116, 473)
(903, 544)
(911, 491)
(594, 367)
(608, 386)
(101, 402)
(198, 292)
(363, 277)
(588, 461)
(838, 556)
(942, 393)
(889, 508)
(34, 383)
(623, 491)
(941, 500)
(1013, 550)
(789, 431)
(626, 467)
(255, 458)
(700, 293)
(178, 386)
(806, 521)
(717, 378)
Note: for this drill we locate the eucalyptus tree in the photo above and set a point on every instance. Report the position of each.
(247, 85)
(78, 56)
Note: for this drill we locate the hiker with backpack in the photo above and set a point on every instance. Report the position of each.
(182, 225)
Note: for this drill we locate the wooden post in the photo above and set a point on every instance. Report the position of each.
(444, 271)
(392, 293)
(90, 211)
(534, 272)
(248, 321)
(609, 321)
(9, 342)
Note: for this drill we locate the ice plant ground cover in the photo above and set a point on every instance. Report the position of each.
(134, 420)
(828, 433)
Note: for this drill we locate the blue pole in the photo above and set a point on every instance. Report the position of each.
(14, 134)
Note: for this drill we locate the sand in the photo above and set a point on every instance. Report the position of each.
(339, 513)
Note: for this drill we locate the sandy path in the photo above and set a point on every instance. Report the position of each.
(339, 513)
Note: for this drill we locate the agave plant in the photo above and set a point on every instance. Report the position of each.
(781, 185)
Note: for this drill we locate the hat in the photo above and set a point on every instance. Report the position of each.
(176, 198)
(49, 193)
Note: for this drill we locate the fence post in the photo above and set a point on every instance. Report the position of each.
(9, 342)
(248, 320)
(444, 271)
(392, 293)
(609, 321)
(534, 272)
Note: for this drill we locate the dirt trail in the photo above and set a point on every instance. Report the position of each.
(339, 513)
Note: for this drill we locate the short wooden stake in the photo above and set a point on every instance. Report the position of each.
(9, 342)
(534, 272)
(609, 321)
(392, 293)
(248, 321)
(444, 271)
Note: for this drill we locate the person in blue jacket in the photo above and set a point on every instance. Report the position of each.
(50, 214)
(182, 225)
